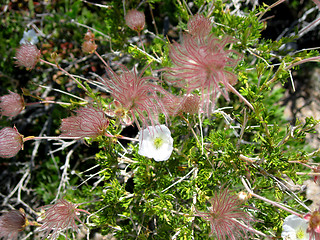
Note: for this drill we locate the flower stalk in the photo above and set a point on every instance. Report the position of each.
(276, 204)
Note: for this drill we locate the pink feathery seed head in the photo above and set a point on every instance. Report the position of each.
(199, 26)
(117, 111)
(203, 65)
(171, 103)
(190, 104)
(27, 55)
(136, 95)
(135, 20)
(200, 65)
(316, 178)
(175, 105)
(227, 219)
(11, 104)
(60, 217)
(88, 122)
(11, 223)
(314, 224)
(89, 36)
(89, 47)
(11, 142)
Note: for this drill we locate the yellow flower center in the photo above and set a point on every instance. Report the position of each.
(300, 234)
(158, 142)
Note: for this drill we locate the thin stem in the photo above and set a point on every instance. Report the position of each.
(187, 7)
(268, 8)
(249, 160)
(310, 59)
(66, 93)
(201, 132)
(64, 177)
(95, 4)
(65, 72)
(292, 82)
(251, 229)
(76, 138)
(268, 200)
(48, 138)
(309, 27)
(124, 8)
(126, 138)
(153, 21)
(272, 80)
(314, 153)
(120, 137)
(55, 102)
(139, 35)
(288, 136)
(144, 52)
(193, 132)
(82, 210)
(306, 165)
(180, 180)
(243, 127)
(232, 89)
(92, 29)
(309, 174)
(34, 223)
(103, 61)
(251, 52)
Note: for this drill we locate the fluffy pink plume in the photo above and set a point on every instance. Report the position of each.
(176, 105)
(224, 216)
(203, 62)
(11, 142)
(60, 217)
(88, 122)
(136, 95)
(27, 55)
(314, 224)
(202, 65)
(199, 26)
(135, 20)
(11, 223)
(11, 104)
(190, 104)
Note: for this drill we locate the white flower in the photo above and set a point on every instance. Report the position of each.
(156, 142)
(294, 228)
(29, 37)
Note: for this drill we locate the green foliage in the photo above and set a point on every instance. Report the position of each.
(135, 197)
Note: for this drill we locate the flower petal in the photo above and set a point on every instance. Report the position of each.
(148, 146)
